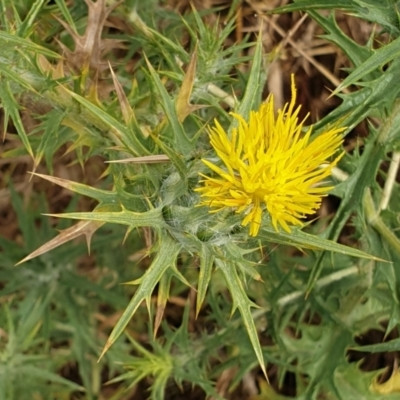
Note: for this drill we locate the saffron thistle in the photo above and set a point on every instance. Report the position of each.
(269, 165)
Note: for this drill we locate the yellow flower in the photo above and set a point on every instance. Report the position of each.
(269, 165)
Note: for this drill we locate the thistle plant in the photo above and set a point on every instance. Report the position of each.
(270, 165)
(219, 186)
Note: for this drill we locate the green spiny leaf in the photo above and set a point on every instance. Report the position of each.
(243, 303)
(206, 264)
(11, 108)
(66, 14)
(165, 258)
(26, 27)
(124, 133)
(380, 57)
(359, 105)
(392, 345)
(251, 98)
(356, 53)
(27, 45)
(152, 218)
(306, 5)
(298, 238)
(182, 142)
(102, 196)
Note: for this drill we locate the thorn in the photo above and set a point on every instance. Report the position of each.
(105, 349)
(265, 373)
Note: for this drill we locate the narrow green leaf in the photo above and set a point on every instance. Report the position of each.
(66, 14)
(384, 13)
(162, 298)
(251, 96)
(165, 258)
(45, 375)
(31, 318)
(236, 254)
(392, 345)
(377, 94)
(181, 141)
(12, 40)
(26, 223)
(377, 223)
(381, 57)
(29, 22)
(175, 158)
(152, 218)
(15, 76)
(5, 19)
(206, 264)
(125, 134)
(306, 5)
(356, 53)
(244, 304)
(352, 192)
(298, 238)
(160, 384)
(51, 127)
(11, 108)
(102, 196)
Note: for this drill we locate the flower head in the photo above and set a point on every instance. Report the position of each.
(269, 165)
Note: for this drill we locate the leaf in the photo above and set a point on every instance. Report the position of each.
(243, 303)
(51, 128)
(182, 143)
(392, 345)
(15, 41)
(169, 49)
(251, 96)
(383, 13)
(162, 298)
(183, 106)
(306, 5)
(352, 192)
(102, 196)
(165, 258)
(356, 53)
(375, 95)
(321, 350)
(86, 228)
(66, 14)
(11, 108)
(14, 75)
(126, 109)
(377, 223)
(154, 159)
(43, 374)
(163, 293)
(152, 218)
(382, 56)
(130, 140)
(29, 22)
(175, 158)
(206, 263)
(298, 238)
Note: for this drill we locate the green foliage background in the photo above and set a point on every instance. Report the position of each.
(261, 307)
